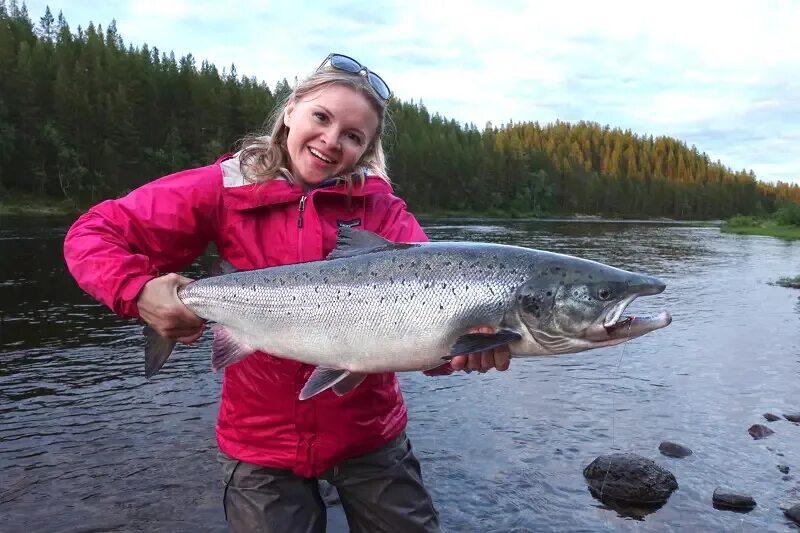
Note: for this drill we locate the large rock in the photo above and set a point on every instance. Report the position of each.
(726, 499)
(793, 513)
(794, 417)
(757, 431)
(673, 449)
(629, 478)
(771, 418)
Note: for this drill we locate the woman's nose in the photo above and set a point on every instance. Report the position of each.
(331, 138)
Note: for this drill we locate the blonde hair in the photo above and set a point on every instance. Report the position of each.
(265, 156)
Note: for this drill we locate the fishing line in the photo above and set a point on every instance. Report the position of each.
(614, 378)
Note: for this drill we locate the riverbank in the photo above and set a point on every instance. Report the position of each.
(26, 205)
(766, 228)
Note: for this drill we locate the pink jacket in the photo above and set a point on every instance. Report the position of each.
(119, 245)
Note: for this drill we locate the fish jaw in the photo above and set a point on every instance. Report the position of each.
(613, 328)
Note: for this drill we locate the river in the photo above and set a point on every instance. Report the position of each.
(87, 444)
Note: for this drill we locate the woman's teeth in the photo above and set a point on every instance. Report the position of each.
(318, 155)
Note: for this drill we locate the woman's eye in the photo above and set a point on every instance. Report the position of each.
(354, 137)
(320, 116)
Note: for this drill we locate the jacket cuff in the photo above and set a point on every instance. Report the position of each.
(125, 304)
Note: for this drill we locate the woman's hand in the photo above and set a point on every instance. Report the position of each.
(498, 358)
(161, 308)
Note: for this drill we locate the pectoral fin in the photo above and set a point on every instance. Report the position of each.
(321, 380)
(349, 383)
(226, 349)
(479, 342)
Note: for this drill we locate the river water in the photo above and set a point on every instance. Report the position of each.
(87, 444)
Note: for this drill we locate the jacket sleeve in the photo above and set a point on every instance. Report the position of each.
(398, 224)
(116, 247)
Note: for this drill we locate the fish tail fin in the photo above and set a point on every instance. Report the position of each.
(226, 349)
(157, 350)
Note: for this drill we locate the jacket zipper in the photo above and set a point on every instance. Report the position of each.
(300, 211)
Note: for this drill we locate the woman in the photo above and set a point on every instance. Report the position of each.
(280, 200)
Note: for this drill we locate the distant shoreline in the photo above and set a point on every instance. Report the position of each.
(789, 233)
(30, 206)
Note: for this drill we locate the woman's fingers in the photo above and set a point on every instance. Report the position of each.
(161, 308)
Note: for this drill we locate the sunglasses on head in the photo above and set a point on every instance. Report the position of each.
(348, 64)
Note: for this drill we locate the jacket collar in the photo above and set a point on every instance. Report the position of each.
(239, 195)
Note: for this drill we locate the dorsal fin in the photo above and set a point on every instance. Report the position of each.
(353, 242)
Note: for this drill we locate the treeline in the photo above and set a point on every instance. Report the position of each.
(84, 116)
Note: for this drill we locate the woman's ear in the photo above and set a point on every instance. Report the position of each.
(287, 113)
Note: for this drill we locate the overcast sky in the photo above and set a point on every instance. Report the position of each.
(724, 76)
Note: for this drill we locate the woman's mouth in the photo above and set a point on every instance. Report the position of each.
(319, 155)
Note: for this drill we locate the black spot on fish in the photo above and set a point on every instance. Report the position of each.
(549, 293)
(444, 285)
(441, 307)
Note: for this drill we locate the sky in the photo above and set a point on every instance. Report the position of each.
(722, 76)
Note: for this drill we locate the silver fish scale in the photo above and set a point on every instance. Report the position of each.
(362, 313)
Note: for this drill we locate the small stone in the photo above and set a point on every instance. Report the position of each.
(794, 417)
(726, 499)
(673, 449)
(757, 431)
(793, 513)
(784, 469)
(771, 418)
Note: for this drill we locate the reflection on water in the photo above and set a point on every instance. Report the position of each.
(88, 444)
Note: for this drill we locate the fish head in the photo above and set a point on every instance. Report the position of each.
(569, 305)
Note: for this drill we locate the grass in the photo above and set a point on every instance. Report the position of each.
(771, 227)
(770, 230)
(25, 204)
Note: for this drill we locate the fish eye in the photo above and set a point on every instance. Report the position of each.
(604, 293)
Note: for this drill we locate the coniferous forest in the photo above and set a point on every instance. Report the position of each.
(84, 116)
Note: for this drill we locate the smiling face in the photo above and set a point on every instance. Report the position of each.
(329, 131)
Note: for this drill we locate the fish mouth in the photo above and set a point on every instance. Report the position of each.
(613, 326)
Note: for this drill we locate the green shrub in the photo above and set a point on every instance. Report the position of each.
(742, 220)
(788, 215)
